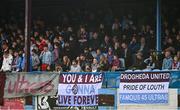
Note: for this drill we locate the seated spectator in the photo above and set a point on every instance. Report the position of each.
(94, 65)
(143, 47)
(75, 67)
(134, 45)
(66, 64)
(16, 64)
(7, 62)
(94, 42)
(98, 54)
(88, 55)
(117, 49)
(150, 63)
(66, 50)
(110, 56)
(87, 69)
(176, 63)
(101, 32)
(126, 54)
(106, 43)
(103, 64)
(139, 63)
(58, 68)
(116, 64)
(82, 38)
(167, 61)
(116, 27)
(46, 58)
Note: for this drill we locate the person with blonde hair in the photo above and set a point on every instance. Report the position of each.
(176, 63)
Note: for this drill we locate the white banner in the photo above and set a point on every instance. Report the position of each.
(144, 87)
(153, 87)
(79, 89)
(83, 89)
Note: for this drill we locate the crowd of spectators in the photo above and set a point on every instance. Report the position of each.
(89, 41)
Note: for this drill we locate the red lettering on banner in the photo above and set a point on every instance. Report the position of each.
(22, 85)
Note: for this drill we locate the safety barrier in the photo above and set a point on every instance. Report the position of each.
(111, 85)
(110, 89)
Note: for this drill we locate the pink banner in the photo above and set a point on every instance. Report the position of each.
(26, 84)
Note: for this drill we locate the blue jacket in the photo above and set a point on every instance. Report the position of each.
(167, 63)
(23, 63)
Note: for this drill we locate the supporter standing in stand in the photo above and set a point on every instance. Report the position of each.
(35, 60)
(55, 56)
(3, 49)
(66, 64)
(16, 64)
(167, 61)
(46, 58)
(75, 67)
(7, 62)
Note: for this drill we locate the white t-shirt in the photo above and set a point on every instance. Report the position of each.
(75, 68)
(7, 63)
